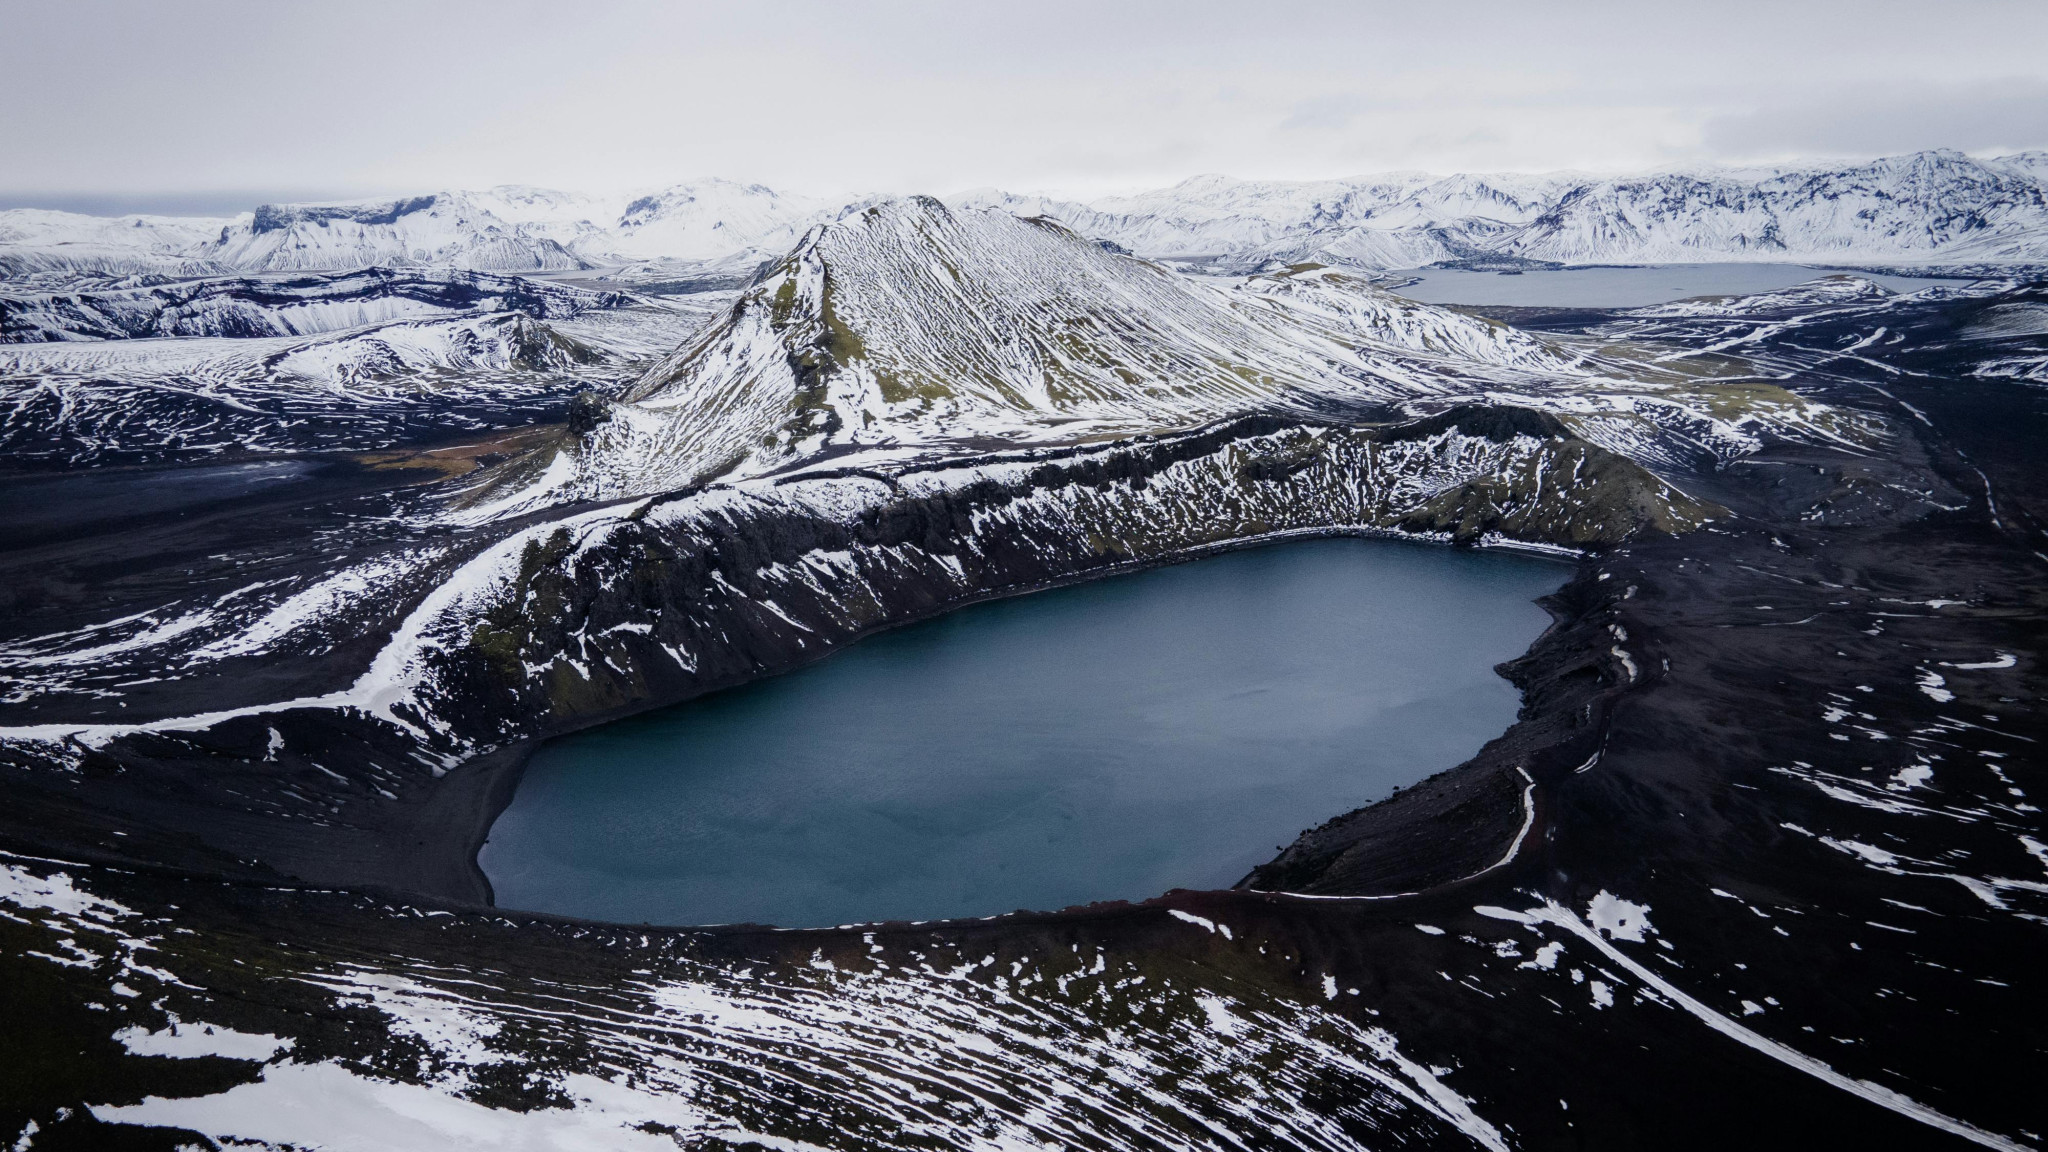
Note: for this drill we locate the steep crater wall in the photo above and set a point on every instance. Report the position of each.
(683, 594)
(610, 611)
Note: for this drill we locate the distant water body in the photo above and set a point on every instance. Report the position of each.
(1110, 740)
(1623, 287)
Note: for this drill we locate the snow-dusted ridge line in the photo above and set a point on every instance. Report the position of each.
(380, 689)
(1507, 856)
(1925, 206)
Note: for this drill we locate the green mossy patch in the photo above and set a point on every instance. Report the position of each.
(536, 595)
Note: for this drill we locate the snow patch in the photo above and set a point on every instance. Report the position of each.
(1201, 922)
(1619, 919)
(1931, 683)
(186, 1041)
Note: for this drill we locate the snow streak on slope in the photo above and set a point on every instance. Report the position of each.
(892, 1040)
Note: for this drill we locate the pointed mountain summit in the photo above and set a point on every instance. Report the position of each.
(909, 327)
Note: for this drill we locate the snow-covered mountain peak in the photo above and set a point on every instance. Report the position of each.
(528, 204)
(912, 327)
(509, 228)
(448, 229)
(708, 220)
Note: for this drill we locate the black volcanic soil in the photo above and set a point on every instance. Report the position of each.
(1736, 729)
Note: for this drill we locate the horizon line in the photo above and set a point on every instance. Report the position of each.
(40, 200)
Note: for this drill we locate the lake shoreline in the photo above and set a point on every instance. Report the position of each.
(1110, 739)
(466, 803)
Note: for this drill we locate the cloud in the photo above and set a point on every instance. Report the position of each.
(386, 97)
(1334, 112)
(1889, 117)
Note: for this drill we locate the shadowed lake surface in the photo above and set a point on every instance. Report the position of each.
(1111, 740)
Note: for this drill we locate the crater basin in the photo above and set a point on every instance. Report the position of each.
(1111, 740)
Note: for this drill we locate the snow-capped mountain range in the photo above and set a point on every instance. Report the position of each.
(1927, 207)
(504, 229)
(904, 329)
(911, 331)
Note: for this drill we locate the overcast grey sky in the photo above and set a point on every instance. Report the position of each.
(194, 102)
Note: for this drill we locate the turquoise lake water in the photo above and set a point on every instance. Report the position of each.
(1112, 740)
